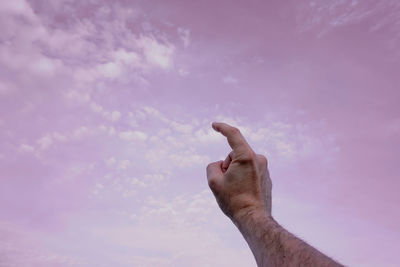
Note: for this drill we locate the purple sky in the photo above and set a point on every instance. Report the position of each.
(105, 127)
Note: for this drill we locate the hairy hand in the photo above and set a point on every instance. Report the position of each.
(241, 182)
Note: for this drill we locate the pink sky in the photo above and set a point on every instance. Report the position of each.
(105, 127)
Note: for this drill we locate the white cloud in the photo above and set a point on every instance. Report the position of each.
(24, 148)
(285, 149)
(81, 132)
(155, 156)
(154, 178)
(77, 134)
(183, 143)
(111, 161)
(208, 136)
(184, 34)
(129, 58)
(44, 66)
(156, 53)
(186, 227)
(45, 141)
(187, 159)
(78, 96)
(182, 128)
(155, 113)
(110, 70)
(164, 132)
(20, 247)
(133, 136)
(124, 164)
(96, 107)
(48, 139)
(222, 118)
(183, 72)
(115, 115)
(174, 143)
(20, 7)
(138, 183)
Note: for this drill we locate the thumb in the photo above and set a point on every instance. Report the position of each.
(214, 174)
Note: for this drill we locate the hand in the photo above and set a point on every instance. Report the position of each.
(241, 183)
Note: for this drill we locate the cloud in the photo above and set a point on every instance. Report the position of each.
(45, 49)
(184, 34)
(115, 115)
(110, 70)
(48, 139)
(208, 136)
(325, 16)
(131, 59)
(188, 159)
(156, 53)
(16, 8)
(184, 143)
(124, 164)
(111, 161)
(80, 97)
(183, 72)
(20, 247)
(133, 136)
(182, 128)
(179, 224)
(81, 132)
(153, 112)
(24, 148)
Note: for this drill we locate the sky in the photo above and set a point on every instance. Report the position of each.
(105, 127)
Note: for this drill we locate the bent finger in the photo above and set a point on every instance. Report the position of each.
(214, 170)
(227, 162)
(214, 175)
(235, 138)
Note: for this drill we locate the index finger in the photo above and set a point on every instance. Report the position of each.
(234, 136)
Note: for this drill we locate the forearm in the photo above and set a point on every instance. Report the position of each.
(273, 246)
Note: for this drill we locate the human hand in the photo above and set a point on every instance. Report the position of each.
(242, 188)
(241, 183)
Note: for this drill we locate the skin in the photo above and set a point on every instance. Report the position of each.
(242, 187)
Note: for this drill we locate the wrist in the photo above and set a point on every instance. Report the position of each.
(250, 214)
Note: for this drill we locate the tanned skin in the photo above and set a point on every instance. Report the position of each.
(242, 187)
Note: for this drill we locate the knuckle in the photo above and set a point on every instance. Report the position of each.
(235, 130)
(249, 156)
(212, 184)
(252, 155)
(263, 159)
(208, 166)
